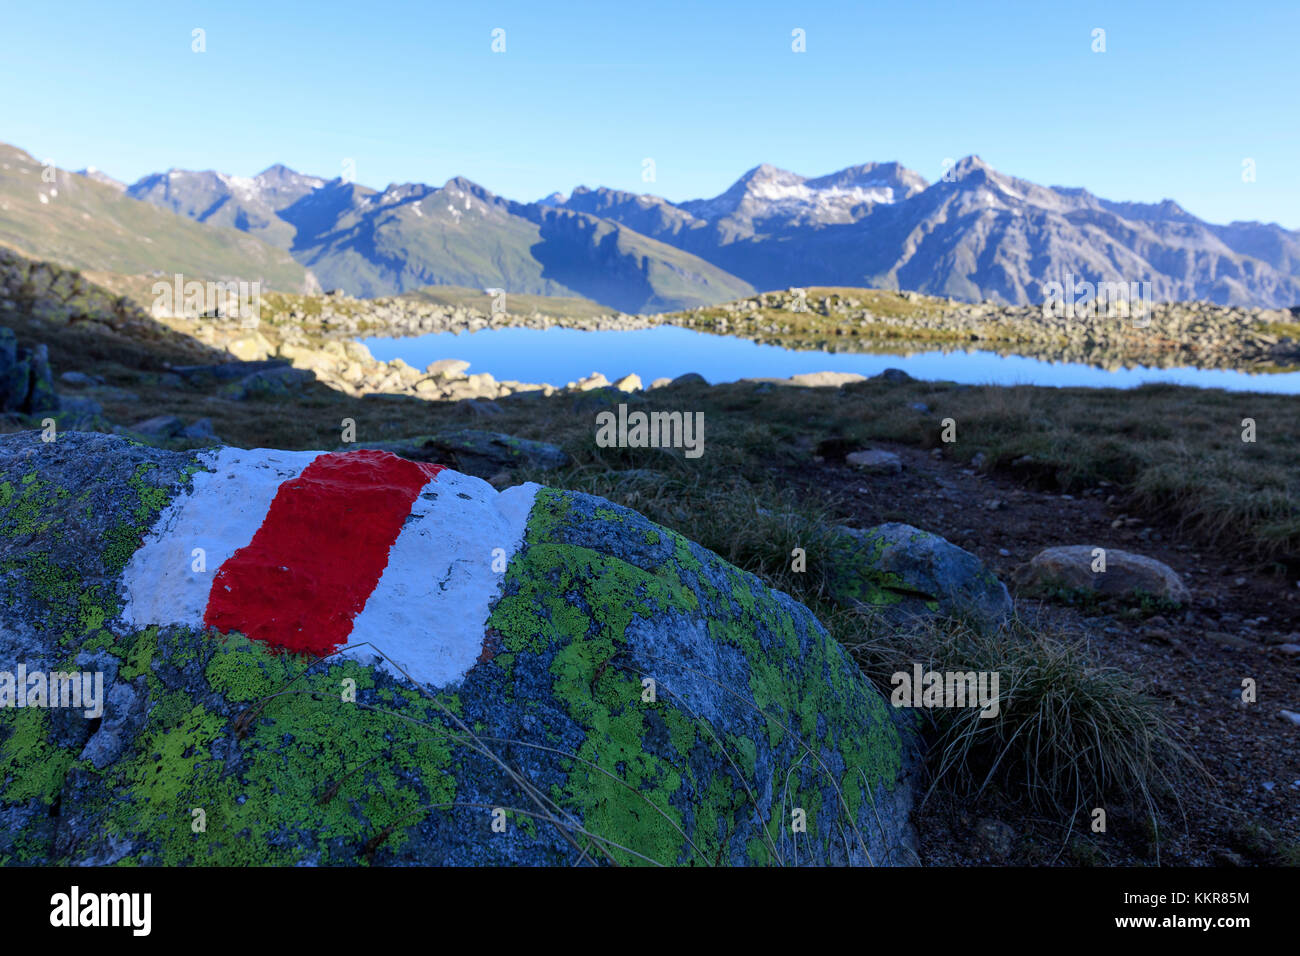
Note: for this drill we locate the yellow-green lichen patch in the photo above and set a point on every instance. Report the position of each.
(28, 508)
(857, 575)
(798, 723)
(31, 767)
(317, 776)
(70, 544)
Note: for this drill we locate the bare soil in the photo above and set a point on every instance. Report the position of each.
(1194, 659)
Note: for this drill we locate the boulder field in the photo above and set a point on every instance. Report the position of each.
(325, 658)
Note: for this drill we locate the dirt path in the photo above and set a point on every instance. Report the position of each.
(1194, 659)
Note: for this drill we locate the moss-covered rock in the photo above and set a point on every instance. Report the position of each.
(903, 572)
(638, 700)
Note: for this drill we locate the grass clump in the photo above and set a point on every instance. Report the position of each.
(1069, 734)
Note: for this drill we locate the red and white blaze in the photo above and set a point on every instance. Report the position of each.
(354, 552)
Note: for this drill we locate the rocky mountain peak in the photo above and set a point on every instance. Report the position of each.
(90, 172)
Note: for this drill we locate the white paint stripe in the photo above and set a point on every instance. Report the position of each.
(221, 514)
(429, 609)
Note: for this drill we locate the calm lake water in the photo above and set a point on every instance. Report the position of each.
(565, 355)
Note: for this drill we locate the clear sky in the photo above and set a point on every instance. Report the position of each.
(584, 92)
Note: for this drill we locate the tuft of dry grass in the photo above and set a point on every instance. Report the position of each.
(1070, 734)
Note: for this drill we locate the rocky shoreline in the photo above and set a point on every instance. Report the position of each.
(1198, 334)
(318, 333)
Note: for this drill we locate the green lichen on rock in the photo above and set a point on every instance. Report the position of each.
(75, 532)
(638, 700)
(857, 575)
(31, 767)
(661, 781)
(902, 572)
(303, 774)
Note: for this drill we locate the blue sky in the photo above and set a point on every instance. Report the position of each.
(584, 92)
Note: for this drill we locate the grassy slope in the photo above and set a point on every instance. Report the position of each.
(91, 226)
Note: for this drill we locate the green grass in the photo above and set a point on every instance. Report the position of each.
(1070, 734)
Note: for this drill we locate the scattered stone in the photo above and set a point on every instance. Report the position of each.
(629, 383)
(875, 461)
(481, 407)
(26, 384)
(160, 426)
(600, 399)
(391, 396)
(995, 837)
(1276, 638)
(1126, 573)
(694, 378)
(447, 368)
(162, 380)
(271, 383)
(251, 347)
(207, 374)
(826, 379)
(1222, 856)
(79, 406)
(200, 431)
(894, 375)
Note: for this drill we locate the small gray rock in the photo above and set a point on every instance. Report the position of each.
(995, 837)
(160, 426)
(876, 462)
(200, 431)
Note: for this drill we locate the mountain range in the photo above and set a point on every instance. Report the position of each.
(89, 223)
(974, 234)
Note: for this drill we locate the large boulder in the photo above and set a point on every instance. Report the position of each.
(339, 658)
(903, 572)
(1080, 567)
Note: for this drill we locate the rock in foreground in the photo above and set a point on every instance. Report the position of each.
(591, 685)
(904, 572)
